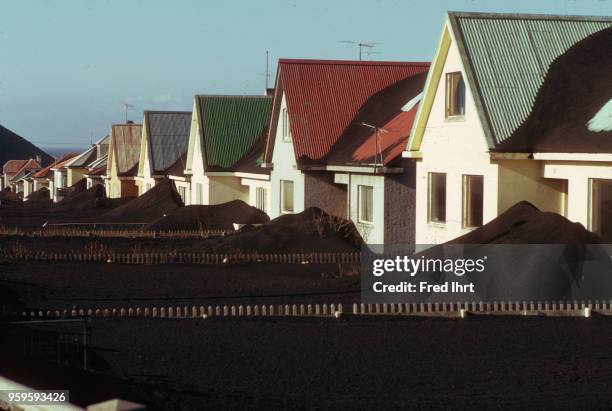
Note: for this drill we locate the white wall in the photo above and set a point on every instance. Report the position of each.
(197, 166)
(578, 175)
(454, 147)
(285, 168)
(372, 233)
(252, 185)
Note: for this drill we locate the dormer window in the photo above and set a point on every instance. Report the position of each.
(455, 95)
(286, 129)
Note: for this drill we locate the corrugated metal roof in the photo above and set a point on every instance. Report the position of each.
(323, 97)
(13, 166)
(30, 165)
(509, 56)
(168, 137)
(126, 146)
(231, 126)
(46, 172)
(577, 90)
(392, 111)
(83, 159)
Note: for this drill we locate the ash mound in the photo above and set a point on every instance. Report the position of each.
(523, 223)
(152, 205)
(311, 230)
(211, 217)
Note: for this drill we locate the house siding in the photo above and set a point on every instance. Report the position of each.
(285, 168)
(400, 205)
(322, 192)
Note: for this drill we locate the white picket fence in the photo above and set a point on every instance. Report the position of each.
(453, 309)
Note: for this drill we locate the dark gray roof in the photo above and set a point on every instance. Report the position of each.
(168, 137)
(83, 159)
(95, 152)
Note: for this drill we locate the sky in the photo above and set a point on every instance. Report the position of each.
(67, 67)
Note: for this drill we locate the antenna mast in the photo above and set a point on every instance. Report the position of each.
(127, 107)
(267, 69)
(378, 157)
(360, 45)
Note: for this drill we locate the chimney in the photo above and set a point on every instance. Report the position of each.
(269, 92)
(38, 158)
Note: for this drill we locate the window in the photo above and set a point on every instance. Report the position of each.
(260, 198)
(182, 192)
(455, 95)
(286, 196)
(366, 203)
(437, 197)
(601, 208)
(472, 200)
(199, 197)
(286, 129)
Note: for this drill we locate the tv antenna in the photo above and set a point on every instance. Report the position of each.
(127, 107)
(378, 158)
(360, 45)
(267, 73)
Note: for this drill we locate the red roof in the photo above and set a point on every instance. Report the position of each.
(324, 96)
(46, 172)
(13, 166)
(392, 142)
(392, 111)
(30, 164)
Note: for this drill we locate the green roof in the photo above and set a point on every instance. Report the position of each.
(231, 126)
(507, 57)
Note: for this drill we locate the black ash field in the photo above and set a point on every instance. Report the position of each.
(357, 363)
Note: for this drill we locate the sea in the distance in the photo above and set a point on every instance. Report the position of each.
(58, 151)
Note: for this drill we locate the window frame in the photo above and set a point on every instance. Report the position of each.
(260, 198)
(466, 202)
(282, 196)
(286, 129)
(430, 182)
(594, 222)
(361, 188)
(199, 193)
(450, 93)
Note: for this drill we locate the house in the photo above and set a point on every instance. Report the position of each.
(484, 79)
(96, 172)
(122, 163)
(225, 149)
(568, 133)
(9, 169)
(81, 164)
(163, 149)
(18, 181)
(60, 187)
(336, 136)
(45, 176)
(14, 146)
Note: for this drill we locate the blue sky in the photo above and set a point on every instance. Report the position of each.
(67, 66)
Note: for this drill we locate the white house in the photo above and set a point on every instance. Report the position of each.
(335, 142)
(483, 82)
(226, 148)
